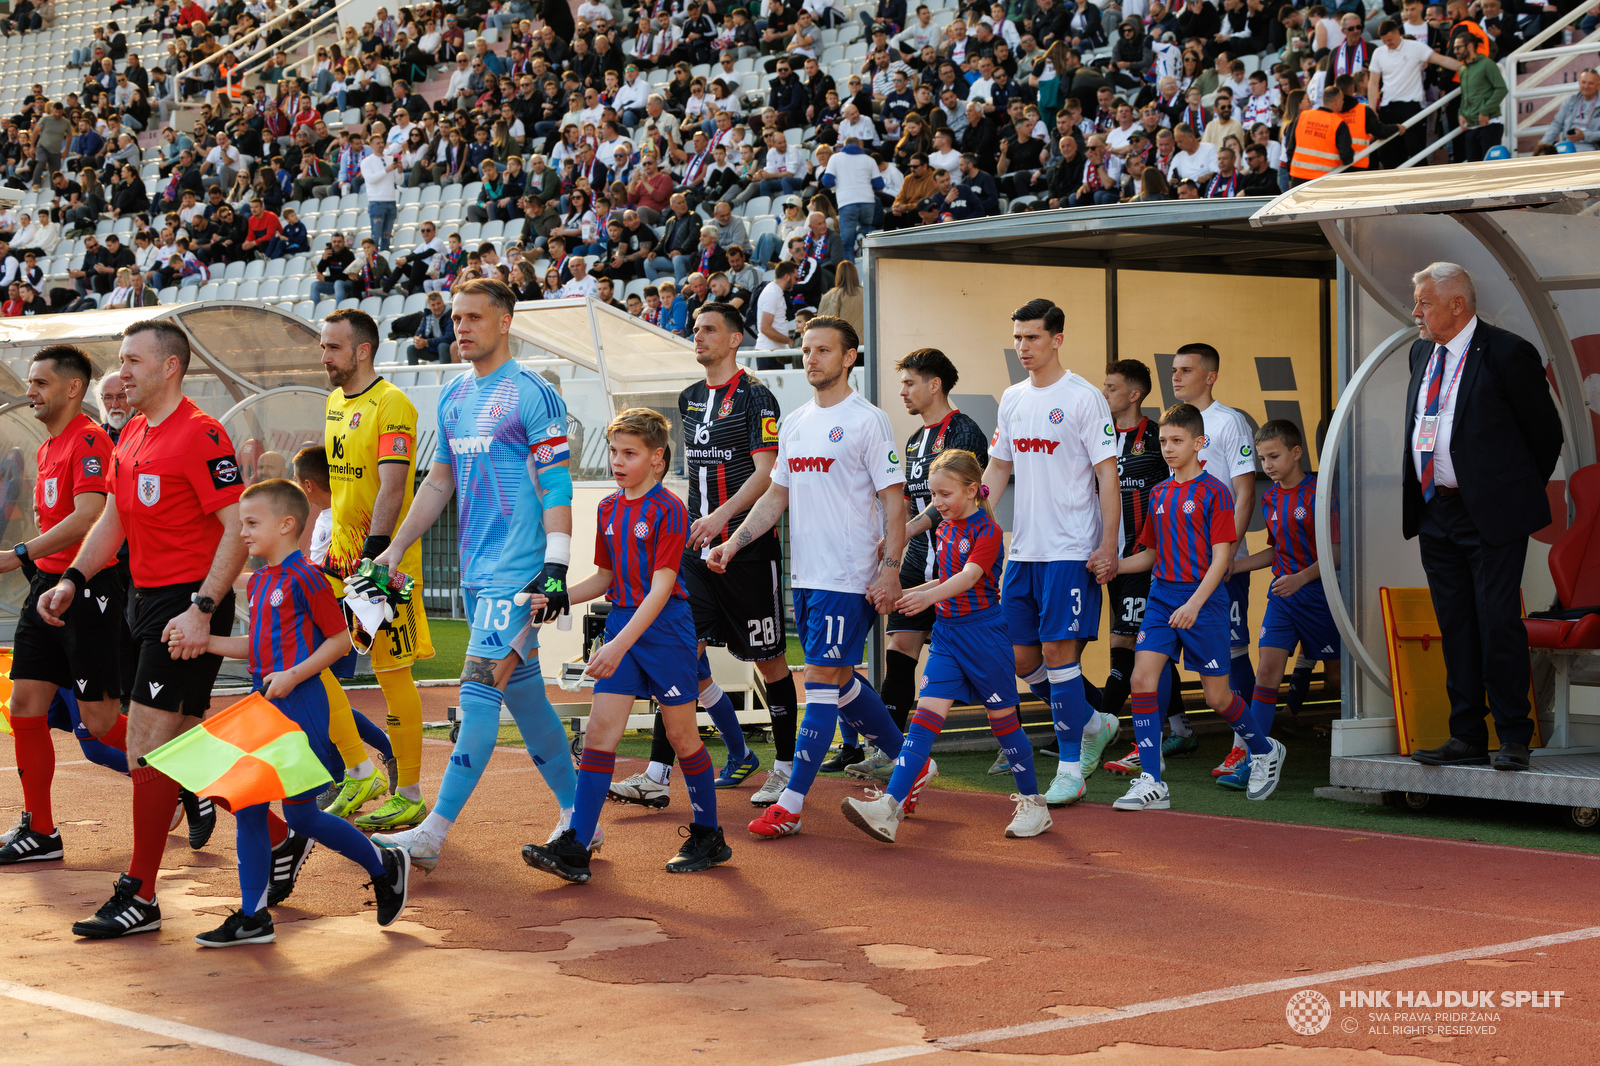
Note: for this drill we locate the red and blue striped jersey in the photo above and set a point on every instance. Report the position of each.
(292, 611)
(1186, 518)
(635, 538)
(973, 539)
(1290, 515)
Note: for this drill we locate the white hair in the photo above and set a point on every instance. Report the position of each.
(1448, 276)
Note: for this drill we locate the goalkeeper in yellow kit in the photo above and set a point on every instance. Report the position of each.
(371, 439)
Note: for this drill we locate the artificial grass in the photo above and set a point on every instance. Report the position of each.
(1194, 789)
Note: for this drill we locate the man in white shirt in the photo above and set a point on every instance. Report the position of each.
(1193, 160)
(582, 283)
(838, 476)
(856, 125)
(381, 175)
(222, 162)
(631, 96)
(1229, 456)
(772, 314)
(1056, 434)
(1395, 87)
(853, 177)
(785, 170)
(591, 11)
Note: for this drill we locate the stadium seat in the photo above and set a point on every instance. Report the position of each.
(226, 290)
(247, 290)
(470, 192)
(268, 290)
(372, 305)
(415, 302)
(495, 230)
(234, 271)
(304, 309)
(275, 268)
(188, 294)
(388, 354)
(208, 291)
(168, 295)
(256, 268)
(394, 304)
(352, 201)
(323, 309)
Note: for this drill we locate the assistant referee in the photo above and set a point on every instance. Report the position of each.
(175, 489)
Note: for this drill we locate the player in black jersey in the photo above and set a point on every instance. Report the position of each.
(1140, 468)
(730, 441)
(926, 377)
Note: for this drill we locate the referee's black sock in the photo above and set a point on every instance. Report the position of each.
(660, 747)
(785, 716)
(899, 688)
(1119, 682)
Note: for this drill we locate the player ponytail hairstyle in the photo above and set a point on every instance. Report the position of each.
(963, 466)
(648, 425)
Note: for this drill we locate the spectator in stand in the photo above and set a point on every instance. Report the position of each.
(845, 299)
(331, 279)
(772, 315)
(1194, 160)
(1577, 120)
(436, 332)
(853, 177)
(1258, 178)
(262, 232)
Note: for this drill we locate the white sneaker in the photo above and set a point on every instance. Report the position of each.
(565, 822)
(1265, 770)
(1145, 794)
(641, 789)
(422, 846)
(1032, 816)
(771, 790)
(878, 817)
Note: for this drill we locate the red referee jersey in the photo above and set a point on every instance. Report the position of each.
(74, 461)
(170, 481)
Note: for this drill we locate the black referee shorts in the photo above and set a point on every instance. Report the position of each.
(182, 686)
(1127, 594)
(79, 655)
(741, 610)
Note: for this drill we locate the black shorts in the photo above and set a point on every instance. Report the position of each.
(911, 623)
(1127, 593)
(741, 610)
(80, 655)
(160, 681)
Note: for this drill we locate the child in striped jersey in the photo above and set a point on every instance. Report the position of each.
(296, 632)
(970, 659)
(1297, 607)
(1187, 540)
(650, 649)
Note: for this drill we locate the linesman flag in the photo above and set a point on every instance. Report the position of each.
(249, 753)
(5, 691)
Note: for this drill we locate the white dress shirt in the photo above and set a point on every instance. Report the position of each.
(1444, 472)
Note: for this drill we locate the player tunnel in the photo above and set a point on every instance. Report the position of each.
(242, 355)
(1526, 230)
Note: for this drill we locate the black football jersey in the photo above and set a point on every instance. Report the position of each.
(956, 430)
(1140, 468)
(723, 429)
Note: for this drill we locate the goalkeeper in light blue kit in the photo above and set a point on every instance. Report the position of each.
(503, 452)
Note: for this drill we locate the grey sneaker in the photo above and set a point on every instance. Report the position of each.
(771, 789)
(877, 766)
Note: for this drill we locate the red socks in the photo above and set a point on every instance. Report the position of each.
(118, 736)
(36, 765)
(154, 796)
(277, 828)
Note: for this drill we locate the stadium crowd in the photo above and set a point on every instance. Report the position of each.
(664, 155)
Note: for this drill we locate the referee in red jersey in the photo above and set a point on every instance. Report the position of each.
(175, 489)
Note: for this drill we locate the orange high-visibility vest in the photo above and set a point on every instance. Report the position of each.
(1360, 136)
(1316, 146)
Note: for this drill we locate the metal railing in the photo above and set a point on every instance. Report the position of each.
(291, 40)
(1521, 87)
(1529, 49)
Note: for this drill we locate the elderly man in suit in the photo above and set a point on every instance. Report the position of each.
(1482, 439)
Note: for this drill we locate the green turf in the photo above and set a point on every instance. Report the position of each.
(449, 651)
(1193, 789)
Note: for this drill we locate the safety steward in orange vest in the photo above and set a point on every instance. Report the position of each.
(1323, 138)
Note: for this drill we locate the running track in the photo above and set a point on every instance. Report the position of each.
(1115, 938)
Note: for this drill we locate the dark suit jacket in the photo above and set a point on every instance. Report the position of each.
(1504, 439)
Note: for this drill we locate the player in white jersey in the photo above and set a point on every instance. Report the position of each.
(838, 475)
(1229, 456)
(1056, 434)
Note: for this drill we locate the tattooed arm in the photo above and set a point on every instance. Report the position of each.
(762, 517)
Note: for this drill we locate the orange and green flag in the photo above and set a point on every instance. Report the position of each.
(249, 753)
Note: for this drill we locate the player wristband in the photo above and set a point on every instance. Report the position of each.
(74, 575)
(374, 546)
(558, 548)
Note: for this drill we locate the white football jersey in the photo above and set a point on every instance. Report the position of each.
(834, 461)
(321, 536)
(1054, 437)
(1229, 450)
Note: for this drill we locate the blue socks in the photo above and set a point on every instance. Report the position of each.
(542, 732)
(923, 731)
(816, 733)
(1019, 751)
(371, 735)
(863, 709)
(1069, 711)
(480, 728)
(696, 771)
(726, 719)
(1238, 716)
(305, 818)
(848, 735)
(1147, 732)
(1038, 683)
(595, 770)
(1241, 675)
(255, 856)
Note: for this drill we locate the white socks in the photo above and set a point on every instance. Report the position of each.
(411, 792)
(791, 801)
(363, 770)
(782, 766)
(436, 825)
(659, 772)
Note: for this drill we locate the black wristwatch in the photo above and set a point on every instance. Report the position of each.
(206, 604)
(22, 550)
